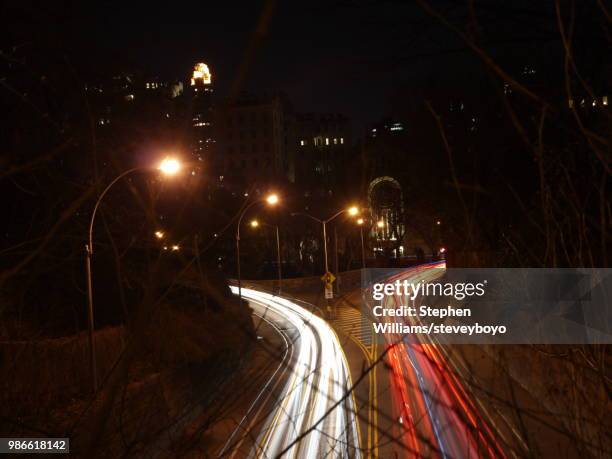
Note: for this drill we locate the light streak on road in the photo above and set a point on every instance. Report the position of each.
(434, 412)
(315, 415)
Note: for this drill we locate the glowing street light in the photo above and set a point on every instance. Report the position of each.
(360, 221)
(380, 224)
(175, 248)
(272, 199)
(169, 166)
(254, 223)
(159, 234)
(353, 210)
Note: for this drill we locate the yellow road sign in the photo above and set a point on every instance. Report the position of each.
(328, 278)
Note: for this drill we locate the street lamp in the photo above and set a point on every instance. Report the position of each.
(169, 166)
(353, 210)
(272, 199)
(361, 222)
(255, 224)
(159, 234)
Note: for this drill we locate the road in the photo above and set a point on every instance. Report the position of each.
(314, 415)
(435, 416)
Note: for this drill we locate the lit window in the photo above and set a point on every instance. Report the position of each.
(302, 143)
(335, 141)
(326, 140)
(571, 103)
(341, 140)
(148, 85)
(604, 100)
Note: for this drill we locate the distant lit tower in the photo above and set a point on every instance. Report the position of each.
(202, 119)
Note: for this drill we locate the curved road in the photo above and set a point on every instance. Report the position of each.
(436, 415)
(314, 416)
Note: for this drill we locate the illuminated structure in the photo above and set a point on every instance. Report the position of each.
(202, 111)
(201, 75)
(386, 204)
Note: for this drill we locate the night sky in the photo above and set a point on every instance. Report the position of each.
(351, 57)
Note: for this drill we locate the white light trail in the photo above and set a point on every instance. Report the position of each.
(320, 379)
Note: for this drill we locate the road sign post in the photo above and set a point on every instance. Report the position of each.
(328, 282)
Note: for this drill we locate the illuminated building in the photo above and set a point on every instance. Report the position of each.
(202, 111)
(201, 75)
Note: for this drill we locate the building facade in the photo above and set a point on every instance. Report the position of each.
(202, 119)
(253, 141)
(322, 143)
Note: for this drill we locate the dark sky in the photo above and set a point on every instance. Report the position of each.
(351, 57)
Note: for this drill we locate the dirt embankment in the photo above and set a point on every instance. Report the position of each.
(549, 398)
(177, 365)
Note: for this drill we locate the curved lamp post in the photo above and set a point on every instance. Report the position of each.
(271, 200)
(168, 166)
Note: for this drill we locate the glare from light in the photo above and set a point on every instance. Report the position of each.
(159, 234)
(254, 223)
(353, 210)
(442, 249)
(438, 222)
(272, 199)
(170, 166)
(360, 221)
(380, 224)
(175, 248)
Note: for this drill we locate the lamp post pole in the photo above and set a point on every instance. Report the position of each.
(255, 224)
(278, 262)
(168, 166)
(352, 211)
(238, 251)
(324, 223)
(336, 259)
(271, 200)
(363, 263)
(89, 256)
